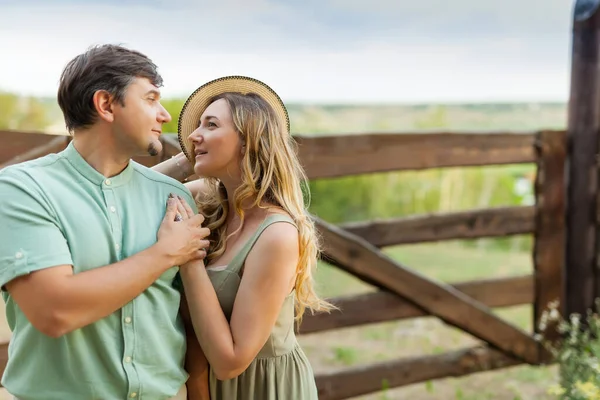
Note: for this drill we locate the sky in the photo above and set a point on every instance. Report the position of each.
(312, 51)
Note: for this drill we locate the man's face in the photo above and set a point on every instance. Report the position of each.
(138, 121)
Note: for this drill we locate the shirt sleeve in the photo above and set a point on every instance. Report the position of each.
(30, 235)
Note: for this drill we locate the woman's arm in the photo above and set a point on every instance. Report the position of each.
(177, 167)
(195, 361)
(268, 277)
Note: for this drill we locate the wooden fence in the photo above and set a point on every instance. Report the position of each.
(403, 292)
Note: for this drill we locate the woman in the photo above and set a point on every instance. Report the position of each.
(263, 250)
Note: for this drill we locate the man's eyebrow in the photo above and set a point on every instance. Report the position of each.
(153, 91)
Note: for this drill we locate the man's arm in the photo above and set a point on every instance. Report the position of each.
(35, 263)
(56, 301)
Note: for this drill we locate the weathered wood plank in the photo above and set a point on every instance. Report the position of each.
(341, 155)
(362, 380)
(358, 257)
(548, 251)
(384, 306)
(148, 161)
(171, 145)
(39, 149)
(19, 146)
(493, 222)
(3, 357)
(337, 155)
(17, 142)
(583, 126)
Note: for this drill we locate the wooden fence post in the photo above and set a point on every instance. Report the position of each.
(582, 152)
(548, 255)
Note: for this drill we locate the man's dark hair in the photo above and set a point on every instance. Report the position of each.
(106, 67)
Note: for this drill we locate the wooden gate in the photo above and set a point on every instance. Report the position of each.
(404, 293)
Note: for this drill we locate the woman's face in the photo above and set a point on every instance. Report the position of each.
(217, 144)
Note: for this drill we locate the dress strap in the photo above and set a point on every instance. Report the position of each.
(238, 261)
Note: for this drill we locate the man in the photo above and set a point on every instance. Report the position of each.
(87, 280)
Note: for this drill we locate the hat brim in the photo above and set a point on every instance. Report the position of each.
(189, 118)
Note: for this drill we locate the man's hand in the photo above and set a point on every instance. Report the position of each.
(182, 240)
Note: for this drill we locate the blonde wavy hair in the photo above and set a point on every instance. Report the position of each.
(271, 173)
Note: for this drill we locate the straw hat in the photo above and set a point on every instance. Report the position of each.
(192, 110)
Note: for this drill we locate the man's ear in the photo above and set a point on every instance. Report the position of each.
(103, 103)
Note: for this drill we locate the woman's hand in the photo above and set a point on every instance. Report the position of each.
(185, 213)
(181, 241)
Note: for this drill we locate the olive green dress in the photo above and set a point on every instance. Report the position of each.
(281, 369)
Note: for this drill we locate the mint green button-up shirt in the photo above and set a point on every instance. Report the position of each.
(59, 210)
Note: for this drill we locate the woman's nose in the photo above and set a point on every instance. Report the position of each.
(196, 135)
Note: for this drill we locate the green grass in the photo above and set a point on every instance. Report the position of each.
(448, 262)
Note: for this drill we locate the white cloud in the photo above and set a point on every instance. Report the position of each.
(317, 53)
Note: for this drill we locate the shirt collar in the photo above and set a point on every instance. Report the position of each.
(85, 169)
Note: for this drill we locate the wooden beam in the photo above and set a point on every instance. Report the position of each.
(337, 155)
(583, 127)
(492, 222)
(18, 142)
(362, 380)
(548, 251)
(171, 145)
(341, 155)
(358, 257)
(39, 149)
(384, 306)
(148, 161)
(3, 357)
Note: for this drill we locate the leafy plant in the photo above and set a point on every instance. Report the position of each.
(577, 352)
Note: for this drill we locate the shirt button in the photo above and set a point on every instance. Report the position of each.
(118, 246)
(127, 359)
(107, 182)
(128, 320)
(18, 255)
(132, 395)
(113, 209)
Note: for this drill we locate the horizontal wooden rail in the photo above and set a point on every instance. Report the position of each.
(14, 144)
(3, 356)
(384, 306)
(19, 147)
(362, 380)
(342, 155)
(58, 143)
(492, 222)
